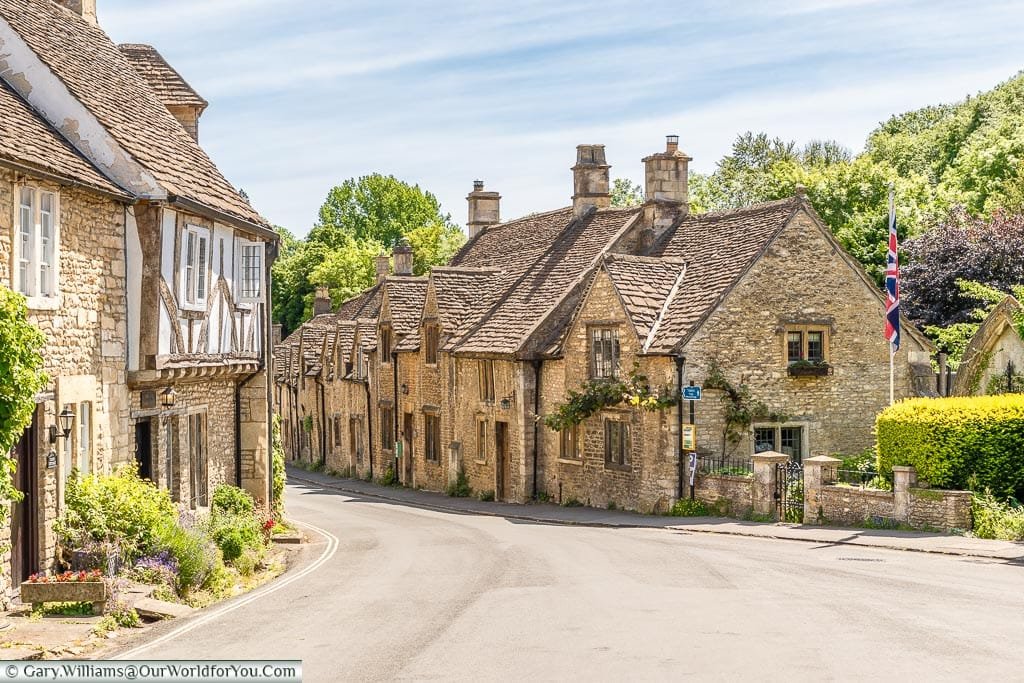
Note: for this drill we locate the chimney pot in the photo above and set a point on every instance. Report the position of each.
(671, 143)
(590, 179)
(403, 257)
(382, 266)
(484, 209)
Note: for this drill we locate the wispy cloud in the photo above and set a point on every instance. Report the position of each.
(306, 94)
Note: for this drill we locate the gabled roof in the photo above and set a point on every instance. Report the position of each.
(27, 139)
(718, 248)
(166, 82)
(463, 294)
(643, 285)
(405, 297)
(100, 77)
(978, 353)
(542, 258)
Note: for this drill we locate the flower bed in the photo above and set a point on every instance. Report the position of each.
(84, 586)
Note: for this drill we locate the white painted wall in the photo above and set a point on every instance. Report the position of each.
(133, 261)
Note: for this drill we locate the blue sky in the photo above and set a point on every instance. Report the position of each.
(306, 94)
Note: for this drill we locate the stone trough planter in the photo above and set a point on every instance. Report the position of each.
(66, 591)
(810, 370)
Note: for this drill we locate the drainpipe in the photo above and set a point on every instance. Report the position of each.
(394, 419)
(680, 369)
(369, 423)
(323, 424)
(536, 419)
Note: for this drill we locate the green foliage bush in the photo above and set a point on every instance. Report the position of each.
(121, 508)
(195, 551)
(232, 500)
(950, 439)
(689, 508)
(995, 519)
(460, 487)
(278, 470)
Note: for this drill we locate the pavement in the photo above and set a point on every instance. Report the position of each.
(946, 544)
(393, 590)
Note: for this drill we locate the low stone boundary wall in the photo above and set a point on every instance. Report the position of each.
(728, 494)
(848, 506)
(939, 509)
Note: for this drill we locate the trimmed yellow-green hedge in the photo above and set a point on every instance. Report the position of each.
(950, 439)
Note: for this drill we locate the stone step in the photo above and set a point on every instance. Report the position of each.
(290, 537)
(158, 609)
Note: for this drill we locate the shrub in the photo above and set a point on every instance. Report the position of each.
(278, 469)
(121, 508)
(994, 519)
(689, 508)
(487, 496)
(389, 478)
(232, 499)
(159, 569)
(193, 549)
(235, 533)
(460, 487)
(950, 439)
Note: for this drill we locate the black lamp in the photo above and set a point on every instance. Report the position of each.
(167, 397)
(67, 420)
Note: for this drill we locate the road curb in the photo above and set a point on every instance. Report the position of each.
(951, 552)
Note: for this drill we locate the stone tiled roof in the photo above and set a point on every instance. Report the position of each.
(313, 334)
(643, 285)
(542, 258)
(27, 139)
(463, 295)
(98, 74)
(344, 336)
(167, 83)
(718, 249)
(367, 328)
(366, 304)
(405, 302)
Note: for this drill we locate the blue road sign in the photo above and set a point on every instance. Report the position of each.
(691, 393)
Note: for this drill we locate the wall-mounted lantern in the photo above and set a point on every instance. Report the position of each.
(66, 420)
(167, 397)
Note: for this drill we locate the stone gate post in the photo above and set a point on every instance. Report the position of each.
(903, 477)
(814, 479)
(763, 490)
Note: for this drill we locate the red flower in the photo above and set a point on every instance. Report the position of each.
(268, 525)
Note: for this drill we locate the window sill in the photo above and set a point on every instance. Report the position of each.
(615, 467)
(570, 461)
(478, 461)
(43, 303)
(815, 370)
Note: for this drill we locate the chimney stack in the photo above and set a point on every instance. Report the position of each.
(484, 209)
(321, 301)
(590, 179)
(83, 8)
(403, 257)
(382, 265)
(666, 174)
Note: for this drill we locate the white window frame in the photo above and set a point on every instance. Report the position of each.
(41, 285)
(243, 291)
(190, 274)
(84, 422)
(777, 427)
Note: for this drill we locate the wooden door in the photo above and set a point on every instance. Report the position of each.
(501, 464)
(24, 539)
(407, 433)
(144, 448)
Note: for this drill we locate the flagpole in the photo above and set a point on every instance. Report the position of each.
(892, 347)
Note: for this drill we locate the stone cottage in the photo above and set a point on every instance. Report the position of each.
(762, 298)
(146, 270)
(993, 362)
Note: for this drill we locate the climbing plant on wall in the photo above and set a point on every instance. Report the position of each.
(741, 409)
(598, 394)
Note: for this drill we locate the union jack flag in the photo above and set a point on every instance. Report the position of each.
(892, 284)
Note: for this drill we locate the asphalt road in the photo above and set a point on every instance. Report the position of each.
(419, 594)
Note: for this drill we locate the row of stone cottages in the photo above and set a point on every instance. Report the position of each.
(146, 270)
(447, 372)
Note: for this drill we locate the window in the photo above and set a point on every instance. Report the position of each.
(36, 244)
(337, 431)
(486, 380)
(198, 453)
(616, 443)
(432, 437)
(481, 440)
(569, 442)
(764, 439)
(785, 439)
(791, 441)
(805, 344)
(250, 271)
(387, 427)
(84, 438)
(195, 262)
(604, 352)
(430, 341)
(385, 345)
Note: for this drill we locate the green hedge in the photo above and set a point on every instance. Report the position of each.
(954, 441)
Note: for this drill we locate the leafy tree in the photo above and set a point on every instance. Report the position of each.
(359, 219)
(958, 248)
(21, 377)
(626, 193)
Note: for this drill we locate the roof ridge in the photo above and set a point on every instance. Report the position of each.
(639, 258)
(664, 308)
(759, 206)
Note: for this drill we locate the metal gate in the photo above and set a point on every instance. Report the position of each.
(789, 491)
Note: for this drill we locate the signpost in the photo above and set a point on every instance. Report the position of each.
(692, 394)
